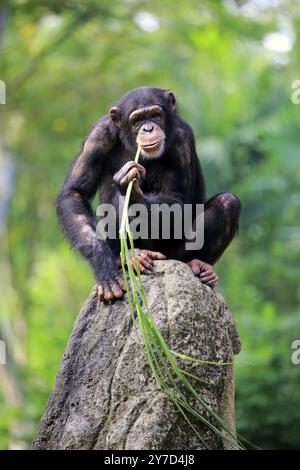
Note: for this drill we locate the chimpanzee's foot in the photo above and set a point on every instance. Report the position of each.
(204, 271)
(145, 259)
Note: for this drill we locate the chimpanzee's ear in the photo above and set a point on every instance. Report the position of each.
(115, 114)
(171, 98)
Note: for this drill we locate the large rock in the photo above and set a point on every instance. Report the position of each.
(105, 396)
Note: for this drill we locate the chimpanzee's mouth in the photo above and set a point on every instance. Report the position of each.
(152, 145)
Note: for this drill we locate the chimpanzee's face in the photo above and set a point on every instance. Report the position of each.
(144, 117)
(148, 126)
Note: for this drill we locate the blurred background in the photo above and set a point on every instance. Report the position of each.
(231, 65)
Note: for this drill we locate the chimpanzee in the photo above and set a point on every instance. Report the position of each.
(169, 173)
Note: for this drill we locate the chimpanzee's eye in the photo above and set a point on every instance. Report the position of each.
(156, 115)
(137, 124)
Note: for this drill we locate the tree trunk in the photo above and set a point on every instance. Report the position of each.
(105, 396)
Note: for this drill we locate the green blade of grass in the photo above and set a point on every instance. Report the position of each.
(159, 357)
(177, 370)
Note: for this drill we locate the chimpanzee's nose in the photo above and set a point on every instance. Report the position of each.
(148, 128)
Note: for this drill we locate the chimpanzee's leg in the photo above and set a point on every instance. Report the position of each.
(221, 222)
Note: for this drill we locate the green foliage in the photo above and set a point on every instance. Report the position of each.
(65, 63)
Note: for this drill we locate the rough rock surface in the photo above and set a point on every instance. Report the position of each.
(105, 396)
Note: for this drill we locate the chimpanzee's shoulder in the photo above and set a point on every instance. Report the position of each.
(104, 127)
(183, 130)
(102, 131)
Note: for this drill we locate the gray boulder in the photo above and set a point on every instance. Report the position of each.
(105, 396)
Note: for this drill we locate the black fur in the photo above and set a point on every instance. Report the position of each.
(176, 176)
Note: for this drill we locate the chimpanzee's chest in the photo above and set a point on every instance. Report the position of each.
(162, 175)
(165, 174)
(156, 176)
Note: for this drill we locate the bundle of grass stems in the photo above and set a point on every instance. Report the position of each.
(170, 378)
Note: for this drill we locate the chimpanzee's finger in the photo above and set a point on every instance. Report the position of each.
(133, 164)
(207, 273)
(147, 265)
(215, 282)
(141, 169)
(148, 259)
(100, 292)
(156, 255)
(108, 294)
(142, 268)
(116, 289)
(204, 267)
(196, 266)
(211, 283)
(145, 261)
(136, 187)
(196, 270)
(133, 173)
(208, 279)
(121, 283)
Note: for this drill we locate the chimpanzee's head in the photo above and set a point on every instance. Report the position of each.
(145, 117)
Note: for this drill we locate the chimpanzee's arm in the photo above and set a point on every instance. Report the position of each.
(75, 213)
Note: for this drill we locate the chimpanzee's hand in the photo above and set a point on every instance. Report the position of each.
(131, 171)
(111, 289)
(145, 259)
(204, 271)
